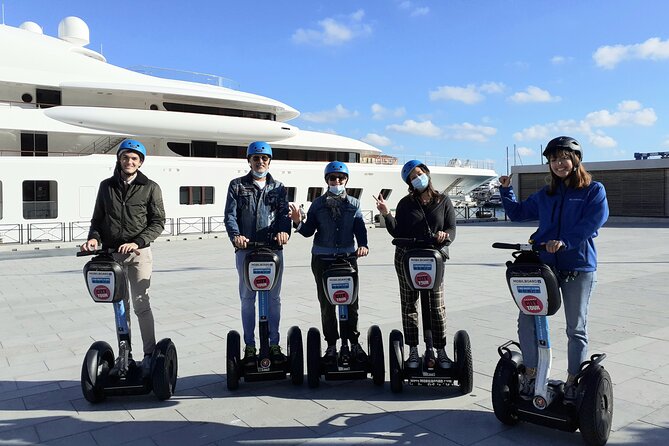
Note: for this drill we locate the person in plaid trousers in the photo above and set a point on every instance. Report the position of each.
(427, 213)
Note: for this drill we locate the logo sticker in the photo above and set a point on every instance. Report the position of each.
(102, 292)
(340, 296)
(532, 304)
(423, 280)
(261, 282)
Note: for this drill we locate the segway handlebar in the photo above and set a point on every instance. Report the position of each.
(415, 242)
(255, 245)
(520, 246)
(107, 251)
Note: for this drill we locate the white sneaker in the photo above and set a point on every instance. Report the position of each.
(414, 358)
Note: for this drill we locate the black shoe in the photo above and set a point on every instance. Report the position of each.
(526, 386)
(330, 357)
(443, 360)
(276, 355)
(358, 353)
(250, 357)
(570, 393)
(146, 364)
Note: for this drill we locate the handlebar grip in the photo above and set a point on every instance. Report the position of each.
(500, 245)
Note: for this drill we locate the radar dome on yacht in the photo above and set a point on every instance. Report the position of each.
(74, 30)
(32, 27)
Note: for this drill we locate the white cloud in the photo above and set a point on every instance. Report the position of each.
(338, 113)
(380, 112)
(609, 56)
(602, 141)
(423, 10)
(414, 10)
(525, 151)
(425, 128)
(533, 94)
(558, 60)
(629, 113)
(471, 132)
(332, 32)
(377, 140)
(471, 94)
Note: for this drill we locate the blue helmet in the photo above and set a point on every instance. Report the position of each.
(335, 167)
(134, 145)
(258, 148)
(411, 165)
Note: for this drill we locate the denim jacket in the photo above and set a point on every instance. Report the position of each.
(334, 235)
(258, 214)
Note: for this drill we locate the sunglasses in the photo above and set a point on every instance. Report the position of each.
(336, 177)
(260, 158)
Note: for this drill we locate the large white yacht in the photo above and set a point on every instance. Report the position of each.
(64, 109)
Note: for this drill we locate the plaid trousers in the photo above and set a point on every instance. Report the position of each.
(409, 300)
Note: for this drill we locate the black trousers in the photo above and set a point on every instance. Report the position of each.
(329, 319)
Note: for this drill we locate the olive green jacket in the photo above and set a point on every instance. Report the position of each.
(132, 215)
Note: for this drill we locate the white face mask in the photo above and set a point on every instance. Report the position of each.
(259, 174)
(337, 190)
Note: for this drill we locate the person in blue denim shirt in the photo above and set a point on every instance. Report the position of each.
(570, 210)
(336, 219)
(256, 210)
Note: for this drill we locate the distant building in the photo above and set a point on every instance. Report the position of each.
(379, 159)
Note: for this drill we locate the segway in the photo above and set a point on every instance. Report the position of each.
(340, 283)
(260, 269)
(536, 292)
(423, 267)
(103, 374)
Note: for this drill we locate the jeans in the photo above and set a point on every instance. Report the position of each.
(248, 298)
(576, 294)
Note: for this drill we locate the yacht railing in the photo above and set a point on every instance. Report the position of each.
(185, 75)
(430, 161)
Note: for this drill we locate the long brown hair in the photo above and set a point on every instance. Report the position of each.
(578, 179)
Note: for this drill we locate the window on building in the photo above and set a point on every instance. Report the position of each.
(40, 199)
(48, 98)
(354, 192)
(34, 144)
(290, 192)
(314, 192)
(190, 195)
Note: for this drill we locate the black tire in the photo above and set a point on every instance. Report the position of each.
(232, 360)
(463, 359)
(504, 391)
(296, 355)
(396, 360)
(596, 413)
(376, 356)
(164, 370)
(98, 361)
(313, 357)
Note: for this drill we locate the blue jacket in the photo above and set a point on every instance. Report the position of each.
(257, 214)
(572, 216)
(334, 235)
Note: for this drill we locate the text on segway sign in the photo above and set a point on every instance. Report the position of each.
(101, 285)
(261, 275)
(102, 293)
(530, 294)
(422, 271)
(340, 290)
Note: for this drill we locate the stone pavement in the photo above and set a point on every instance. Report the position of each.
(47, 322)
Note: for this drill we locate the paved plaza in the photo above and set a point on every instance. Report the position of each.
(47, 322)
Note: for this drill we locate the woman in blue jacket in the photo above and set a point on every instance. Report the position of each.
(570, 210)
(336, 219)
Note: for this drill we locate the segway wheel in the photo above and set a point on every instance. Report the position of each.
(164, 370)
(295, 355)
(97, 363)
(504, 390)
(396, 359)
(313, 357)
(232, 362)
(463, 360)
(376, 356)
(596, 412)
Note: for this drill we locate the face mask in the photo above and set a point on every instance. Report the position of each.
(337, 190)
(420, 182)
(259, 174)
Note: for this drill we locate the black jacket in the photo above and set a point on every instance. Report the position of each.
(123, 216)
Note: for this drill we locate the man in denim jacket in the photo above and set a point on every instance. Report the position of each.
(336, 219)
(256, 210)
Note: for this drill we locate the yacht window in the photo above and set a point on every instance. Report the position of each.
(34, 144)
(354, 192)
(290, 192)
(207, 110)
(203, 149)
(48, 98)
(190, 195)
(0, 200)
(40, 199)
(314, 192)
(385, 193)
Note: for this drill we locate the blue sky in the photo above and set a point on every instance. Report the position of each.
(425, 79)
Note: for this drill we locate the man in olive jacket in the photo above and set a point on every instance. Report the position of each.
(128, 216)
